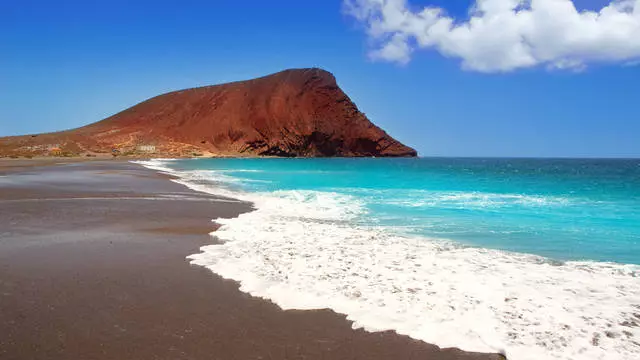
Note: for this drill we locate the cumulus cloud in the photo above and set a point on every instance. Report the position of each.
(504, 35)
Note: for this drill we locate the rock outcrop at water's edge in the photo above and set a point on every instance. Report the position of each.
(293, 113)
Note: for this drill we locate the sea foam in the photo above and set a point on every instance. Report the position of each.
(303, 250)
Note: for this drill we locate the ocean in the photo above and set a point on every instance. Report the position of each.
(534, 258)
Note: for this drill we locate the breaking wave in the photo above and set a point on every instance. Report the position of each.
(309, 250)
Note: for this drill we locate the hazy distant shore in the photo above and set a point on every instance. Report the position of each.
(92, 262)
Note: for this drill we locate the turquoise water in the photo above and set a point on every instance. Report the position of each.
(537, 259)
(563, 209)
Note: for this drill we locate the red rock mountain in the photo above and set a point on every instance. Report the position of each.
(299, 112)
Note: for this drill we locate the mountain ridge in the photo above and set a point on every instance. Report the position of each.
(292, 113)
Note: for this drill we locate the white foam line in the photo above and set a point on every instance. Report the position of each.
(300, 250)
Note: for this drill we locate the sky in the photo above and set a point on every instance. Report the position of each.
(505, 78)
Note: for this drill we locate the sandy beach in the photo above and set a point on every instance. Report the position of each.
(92, 266)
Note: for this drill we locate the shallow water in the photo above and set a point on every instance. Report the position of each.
(535, 258)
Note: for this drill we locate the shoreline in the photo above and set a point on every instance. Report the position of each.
(481, 301)
(93, 266)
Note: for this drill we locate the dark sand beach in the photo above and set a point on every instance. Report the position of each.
(92, 266)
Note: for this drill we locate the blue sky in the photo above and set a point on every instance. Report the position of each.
(64, 64)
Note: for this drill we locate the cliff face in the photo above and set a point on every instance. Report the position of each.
(298, 112)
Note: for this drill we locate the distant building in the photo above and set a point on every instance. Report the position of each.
(146, 148)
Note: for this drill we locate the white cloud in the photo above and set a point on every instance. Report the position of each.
(504, 35)
(395, 49)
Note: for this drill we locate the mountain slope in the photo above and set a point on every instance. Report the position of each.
(300, 112)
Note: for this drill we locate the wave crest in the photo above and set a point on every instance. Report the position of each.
(305, 250)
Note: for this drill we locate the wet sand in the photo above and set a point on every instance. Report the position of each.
(92, 266)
